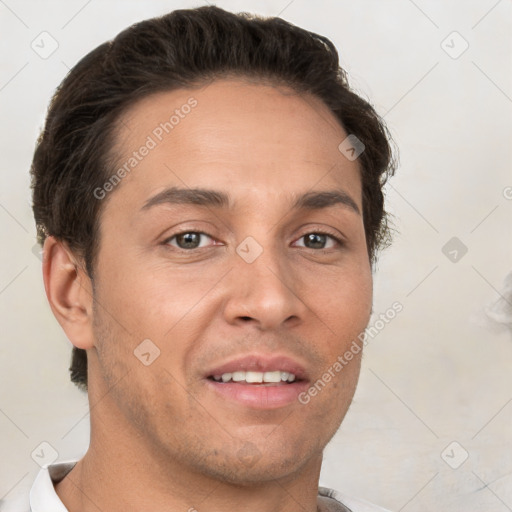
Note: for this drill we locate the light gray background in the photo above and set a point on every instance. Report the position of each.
(440, 371)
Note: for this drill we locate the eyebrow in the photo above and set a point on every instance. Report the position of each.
(216, 199)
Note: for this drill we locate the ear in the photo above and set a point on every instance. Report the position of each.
(69, 292)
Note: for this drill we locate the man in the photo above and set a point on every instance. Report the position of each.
(209, 194)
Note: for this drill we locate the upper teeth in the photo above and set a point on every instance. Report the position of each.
(276, 376)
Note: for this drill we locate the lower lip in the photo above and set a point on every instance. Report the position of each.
(260, 396)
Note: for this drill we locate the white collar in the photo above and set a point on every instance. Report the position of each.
(43, 497)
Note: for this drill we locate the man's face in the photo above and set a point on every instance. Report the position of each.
(245, 287)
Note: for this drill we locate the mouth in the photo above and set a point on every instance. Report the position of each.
(272, 378)
(259, 382)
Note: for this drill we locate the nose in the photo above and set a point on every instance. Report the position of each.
(266, 292)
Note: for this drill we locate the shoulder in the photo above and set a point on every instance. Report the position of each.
(334, 501)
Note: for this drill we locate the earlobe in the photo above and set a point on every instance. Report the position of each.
(69, 292)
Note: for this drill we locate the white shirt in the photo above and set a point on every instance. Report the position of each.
(43, 497)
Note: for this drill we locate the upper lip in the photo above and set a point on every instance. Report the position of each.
(261, 363)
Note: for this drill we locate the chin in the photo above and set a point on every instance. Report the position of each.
(248, 466)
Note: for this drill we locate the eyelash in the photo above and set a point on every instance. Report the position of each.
(336, 238)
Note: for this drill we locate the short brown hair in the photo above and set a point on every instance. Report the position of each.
(182, 49)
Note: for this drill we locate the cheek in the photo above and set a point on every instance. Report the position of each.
(344, 302)
(133, 359)
(341, 307)
(169, 308)
(150, 301)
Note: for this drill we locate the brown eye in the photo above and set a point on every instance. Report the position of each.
(187, 240)
(319, 241)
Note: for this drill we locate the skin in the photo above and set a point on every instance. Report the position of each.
(161, 439)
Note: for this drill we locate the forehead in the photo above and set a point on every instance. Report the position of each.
(233, 133)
